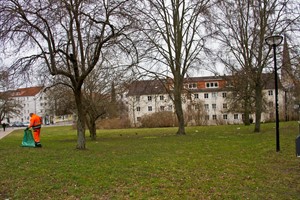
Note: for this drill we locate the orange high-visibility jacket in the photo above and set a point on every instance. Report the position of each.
(35, 121)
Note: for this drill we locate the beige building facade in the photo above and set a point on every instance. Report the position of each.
(205, 101)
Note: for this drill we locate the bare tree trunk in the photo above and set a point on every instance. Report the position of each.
(92, 127)
(258, 106)
(93, 131)
(246, 113)
(179, 110)
(247, 118)
(80, 120)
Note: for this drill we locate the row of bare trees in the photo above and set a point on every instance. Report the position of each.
(8, 105)
(74, 40)
(70, 38)
(241, 30)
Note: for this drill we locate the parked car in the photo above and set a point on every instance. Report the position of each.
(26, 124)
(17, 124)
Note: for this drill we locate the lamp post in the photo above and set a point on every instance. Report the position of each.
(273, 41)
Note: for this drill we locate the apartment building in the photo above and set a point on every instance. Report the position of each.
(31, 100)
(205, 100)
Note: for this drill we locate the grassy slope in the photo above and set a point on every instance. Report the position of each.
(210, 162)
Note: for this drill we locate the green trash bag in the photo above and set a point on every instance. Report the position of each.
(28, 140)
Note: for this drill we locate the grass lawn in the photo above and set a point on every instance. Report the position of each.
(210, 162)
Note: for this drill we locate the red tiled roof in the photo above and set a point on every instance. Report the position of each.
(147, 87)
(24, 92)
(203, 78)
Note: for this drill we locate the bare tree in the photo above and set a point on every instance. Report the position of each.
(294, 96)
(242, 27)
(175, 30)
(241, 97)
(96, 98)
(61, 100)
(68, 37)
(4, 80)
(8, 105)
(196, 113)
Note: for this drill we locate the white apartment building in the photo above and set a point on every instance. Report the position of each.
(204, 102)
(204, 96)
(31, 100)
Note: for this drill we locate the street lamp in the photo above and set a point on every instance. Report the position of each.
(274, 41)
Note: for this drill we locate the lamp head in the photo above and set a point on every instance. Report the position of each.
(274, 40)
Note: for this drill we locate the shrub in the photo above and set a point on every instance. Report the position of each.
(159, 119)
(113, 123)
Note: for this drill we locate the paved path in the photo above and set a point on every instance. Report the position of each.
(8, 131)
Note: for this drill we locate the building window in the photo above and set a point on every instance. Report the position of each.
(149, 98)
(214, 117)
(162, 108)
(212, 85)
(236, 116)
(161, 97)
(224, 94)
(137, 98)
(225, 105)
(189, 96)
(214, 94)
(197, 107)
(170, 107)
(271, 104)
(196, 96)
(270, 92)
(225, 116)
(214, 106)
(149, 108)
(206, 106)
(206, 117)
(192, 86)
(138, 109)
(138, 119)
(205, 95)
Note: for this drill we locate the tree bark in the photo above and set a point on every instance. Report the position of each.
(80, 120)
(92, 127)
(258, 106)
(247, 112)
(93, 131)
(246, 118)
(178, 108)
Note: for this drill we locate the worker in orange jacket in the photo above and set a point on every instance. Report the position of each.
(36, 125)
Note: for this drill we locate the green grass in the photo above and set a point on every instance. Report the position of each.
(210, 162)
